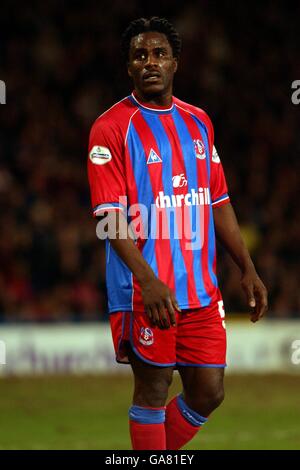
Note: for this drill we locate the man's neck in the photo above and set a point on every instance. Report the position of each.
(163, 100)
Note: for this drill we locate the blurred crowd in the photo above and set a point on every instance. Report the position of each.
(62, 66)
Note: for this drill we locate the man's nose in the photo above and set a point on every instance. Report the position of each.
(151, 59)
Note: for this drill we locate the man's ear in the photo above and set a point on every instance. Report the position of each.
(128, 70)
(175, 64)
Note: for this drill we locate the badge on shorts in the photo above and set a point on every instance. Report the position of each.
(146, 336)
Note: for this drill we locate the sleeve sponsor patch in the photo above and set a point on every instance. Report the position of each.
(100, 155)
(215, 155)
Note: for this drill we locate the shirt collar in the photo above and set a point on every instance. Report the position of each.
(151, 106)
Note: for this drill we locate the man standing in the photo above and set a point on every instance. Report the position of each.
(152, 156)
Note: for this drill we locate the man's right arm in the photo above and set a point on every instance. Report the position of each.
(159, 300)
(108, 187)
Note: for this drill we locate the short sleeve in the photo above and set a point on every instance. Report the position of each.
(106, 167)
(218, 185)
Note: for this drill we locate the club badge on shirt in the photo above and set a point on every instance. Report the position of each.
(100, 155)
(199, 149)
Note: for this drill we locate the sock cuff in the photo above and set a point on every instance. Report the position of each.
(144, 415)
(190, 415)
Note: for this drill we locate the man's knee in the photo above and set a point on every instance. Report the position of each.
(159, 388)
(152, 393)
(216, 398)
(206, 402)
(151, 383)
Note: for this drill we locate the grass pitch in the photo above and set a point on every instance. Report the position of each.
(90, 412)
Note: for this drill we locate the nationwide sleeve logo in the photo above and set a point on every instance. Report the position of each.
(215, 156)
(100, 155)
(2, 92)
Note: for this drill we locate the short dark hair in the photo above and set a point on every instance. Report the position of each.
(142, 25)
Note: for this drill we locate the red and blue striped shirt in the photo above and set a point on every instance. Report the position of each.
(159, 165)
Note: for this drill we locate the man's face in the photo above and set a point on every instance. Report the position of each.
(151, 64)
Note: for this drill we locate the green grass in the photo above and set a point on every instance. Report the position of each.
(90, 412)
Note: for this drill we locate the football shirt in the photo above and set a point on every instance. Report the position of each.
(160, 167)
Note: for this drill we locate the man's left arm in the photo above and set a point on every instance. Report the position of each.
(228, 233)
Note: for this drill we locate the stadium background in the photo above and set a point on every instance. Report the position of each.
(62, 66)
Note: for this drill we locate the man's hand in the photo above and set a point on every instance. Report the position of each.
(229, 234)
(257, 294)
(160, 303)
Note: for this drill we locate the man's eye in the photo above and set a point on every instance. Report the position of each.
(140, 56)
